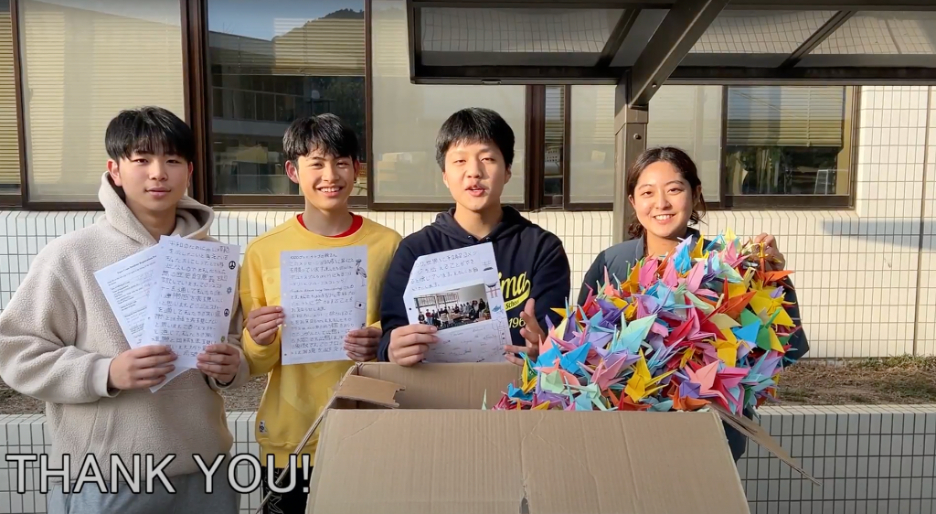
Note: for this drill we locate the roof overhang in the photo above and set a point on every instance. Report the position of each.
(645, 43)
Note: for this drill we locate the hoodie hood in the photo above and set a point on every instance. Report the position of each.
(510, 225)
(193, 220)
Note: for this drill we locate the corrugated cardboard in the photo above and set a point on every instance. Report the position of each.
(436, 451)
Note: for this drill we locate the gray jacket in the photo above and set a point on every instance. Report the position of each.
(620, 258)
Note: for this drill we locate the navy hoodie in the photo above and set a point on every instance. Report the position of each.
(531, 261)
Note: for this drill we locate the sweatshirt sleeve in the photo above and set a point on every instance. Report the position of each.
(38, 330)
(234, 339)
(260, 359)
(552, 282)
(593, 277)
(799, 345)
(392, 309)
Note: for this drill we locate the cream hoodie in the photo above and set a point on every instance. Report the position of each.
(58, 337)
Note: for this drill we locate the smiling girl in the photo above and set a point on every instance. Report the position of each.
(665, 192)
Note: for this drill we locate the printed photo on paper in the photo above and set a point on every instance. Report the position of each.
(459, 292)
(454, 308)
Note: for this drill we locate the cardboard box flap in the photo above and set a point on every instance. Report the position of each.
(756, 433)
(444, 386)
(369, 390)
(509, 462)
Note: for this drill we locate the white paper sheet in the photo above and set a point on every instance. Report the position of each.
(191, 299)
(126, 286)
(324, 295)
(463, 278)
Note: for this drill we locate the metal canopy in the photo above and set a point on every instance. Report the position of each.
(639, 45)
(719, 42)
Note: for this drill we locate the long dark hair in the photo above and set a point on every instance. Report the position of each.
(683, 164)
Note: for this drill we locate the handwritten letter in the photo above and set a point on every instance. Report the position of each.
(192, 297)
(446, 274)
(324, 296)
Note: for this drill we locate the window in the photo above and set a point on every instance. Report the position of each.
(790, 143)
(406, 118)
(554, 141)
(793, 142)
(690, 118)
(591, 150)
(9, 142)
(83, 61)
(270, 63)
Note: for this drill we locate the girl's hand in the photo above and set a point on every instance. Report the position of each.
(775, 259)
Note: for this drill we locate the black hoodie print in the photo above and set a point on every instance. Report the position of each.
(531, 261)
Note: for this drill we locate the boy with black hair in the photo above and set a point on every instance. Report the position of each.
(475, 149)
(322, 156)
(61, 343)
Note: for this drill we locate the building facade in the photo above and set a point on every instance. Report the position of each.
(843, 176)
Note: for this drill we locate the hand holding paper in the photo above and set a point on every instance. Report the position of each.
(324, 296)
(263, 323)
(220, 362)
(409, 344)
(176, 295)
(362, 344)
(145, 366)
(458, 293)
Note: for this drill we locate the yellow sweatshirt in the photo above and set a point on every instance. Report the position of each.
(295, 395)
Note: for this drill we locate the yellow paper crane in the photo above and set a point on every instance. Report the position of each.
(641, 384)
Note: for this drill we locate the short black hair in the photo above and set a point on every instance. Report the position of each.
(151, 130)
(475, 125)
(325, 132)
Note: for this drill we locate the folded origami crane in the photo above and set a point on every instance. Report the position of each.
(702, 326)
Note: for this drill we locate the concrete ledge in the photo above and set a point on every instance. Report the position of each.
(872, 459)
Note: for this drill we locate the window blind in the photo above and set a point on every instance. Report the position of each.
(794, 116)
(81, 65)
(9, 144)
(555, 115)
(325, 47)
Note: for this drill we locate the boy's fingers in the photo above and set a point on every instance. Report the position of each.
(422, 339)
(150, 382)
(151, 350)
(410, 361)
(415, 339)
(265, 311)
(216, 358)
(361, 348)
(411, 351)
(361, 340)
(416, 329)
(153, 362)
(266, 320)
(261, 335)
(359, 357)
(365, 332)
(221, 348)
(154, 372)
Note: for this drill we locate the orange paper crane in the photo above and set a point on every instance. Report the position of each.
(733, 305)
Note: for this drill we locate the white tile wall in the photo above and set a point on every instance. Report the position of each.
(876, 459)
(856, 272)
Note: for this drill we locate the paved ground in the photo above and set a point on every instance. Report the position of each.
(868, 381)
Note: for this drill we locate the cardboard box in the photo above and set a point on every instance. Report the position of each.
(415, 441)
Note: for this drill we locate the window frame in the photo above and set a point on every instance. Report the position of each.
(851, 124)
(198, 114)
